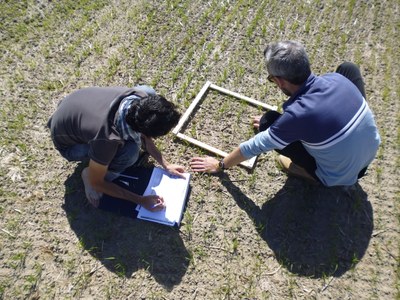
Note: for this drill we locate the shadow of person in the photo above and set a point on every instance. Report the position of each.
(313, 231)
(124, 245)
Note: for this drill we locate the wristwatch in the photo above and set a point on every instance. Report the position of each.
(221, 165)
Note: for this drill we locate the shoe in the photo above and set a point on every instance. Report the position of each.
(294, 170)
(92, 195)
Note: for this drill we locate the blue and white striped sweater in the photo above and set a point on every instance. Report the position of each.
(333, 121)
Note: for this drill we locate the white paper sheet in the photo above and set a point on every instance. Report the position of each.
(173, 189)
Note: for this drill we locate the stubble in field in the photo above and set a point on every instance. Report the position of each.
(245, 234)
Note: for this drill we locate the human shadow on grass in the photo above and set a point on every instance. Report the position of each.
(124, 245)
(313, 231)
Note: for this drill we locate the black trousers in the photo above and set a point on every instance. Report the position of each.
(296, 151)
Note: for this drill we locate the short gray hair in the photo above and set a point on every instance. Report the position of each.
(289, 60)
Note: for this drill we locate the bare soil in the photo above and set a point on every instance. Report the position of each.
(245, 235)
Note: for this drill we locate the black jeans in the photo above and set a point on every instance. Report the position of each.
(296, 151)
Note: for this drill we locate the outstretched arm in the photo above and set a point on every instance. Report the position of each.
(156, 154)
(211, 165)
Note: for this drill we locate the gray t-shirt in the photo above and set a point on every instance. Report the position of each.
(87, 117)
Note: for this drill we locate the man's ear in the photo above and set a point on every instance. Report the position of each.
(280, 82)
(286, 87)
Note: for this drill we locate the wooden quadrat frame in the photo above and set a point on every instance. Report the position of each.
(184, 119)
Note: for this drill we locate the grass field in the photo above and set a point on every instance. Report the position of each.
(255, 235)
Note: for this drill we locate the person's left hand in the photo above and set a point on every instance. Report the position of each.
(176, 170)
(256, 121)
(204, 164)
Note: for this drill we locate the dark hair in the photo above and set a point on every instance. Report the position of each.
(153, 116)
(289, 60)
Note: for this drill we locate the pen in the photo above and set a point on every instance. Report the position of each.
(126, 176)
(123, 175)
(155, 205)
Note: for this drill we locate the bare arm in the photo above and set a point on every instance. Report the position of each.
(97, 173)
(156, 154)
(210, 164)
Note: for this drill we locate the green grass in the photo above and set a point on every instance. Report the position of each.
(52, 48)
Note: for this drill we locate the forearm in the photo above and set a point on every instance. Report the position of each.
(260, 143)
(155, 153)
(116, 191)
(234, 158)
(211, 164)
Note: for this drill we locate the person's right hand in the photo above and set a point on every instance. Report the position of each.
(153, 203)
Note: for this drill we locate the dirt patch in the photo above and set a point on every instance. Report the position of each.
(245, 235)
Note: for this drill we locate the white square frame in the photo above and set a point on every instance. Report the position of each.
(184, 119)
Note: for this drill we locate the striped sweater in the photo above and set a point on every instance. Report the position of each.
(332, 120)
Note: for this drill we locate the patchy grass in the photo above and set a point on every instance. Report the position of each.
(257, 235)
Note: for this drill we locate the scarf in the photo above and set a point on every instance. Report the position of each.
(123, 128)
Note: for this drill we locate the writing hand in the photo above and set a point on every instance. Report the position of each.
(154, 203)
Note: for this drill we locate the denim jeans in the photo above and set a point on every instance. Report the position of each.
(124, 158)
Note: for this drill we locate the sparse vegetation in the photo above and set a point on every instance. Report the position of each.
(245, 235)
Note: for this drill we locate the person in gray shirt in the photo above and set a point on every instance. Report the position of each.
(107, 126)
